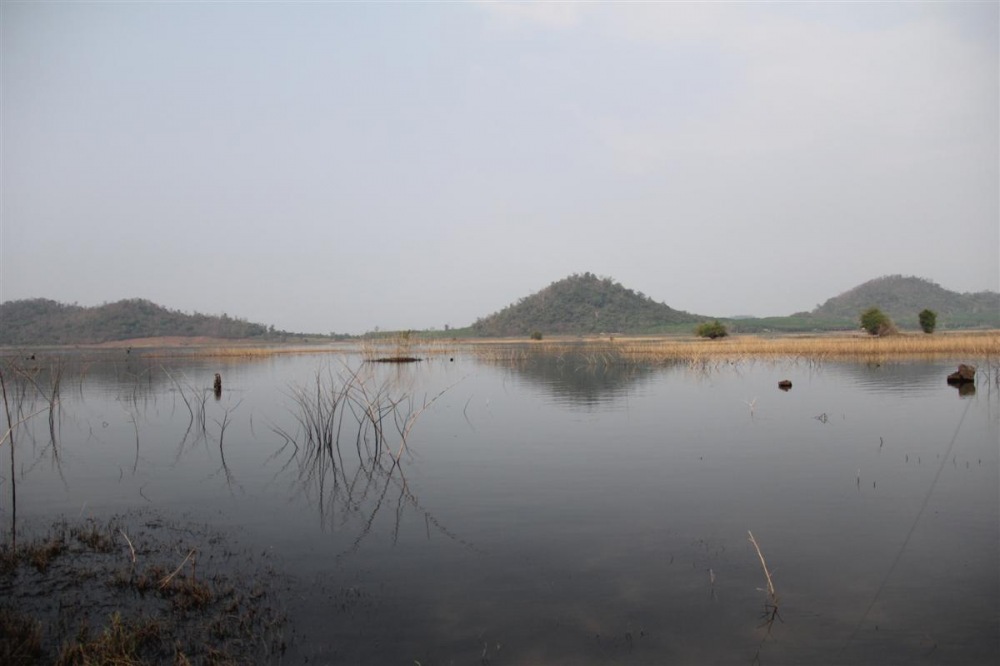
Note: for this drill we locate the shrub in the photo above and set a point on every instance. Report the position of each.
(877, 322)
(536, 335)
(928, 320)
(713, 330)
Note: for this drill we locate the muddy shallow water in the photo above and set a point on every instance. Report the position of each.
(558, 511)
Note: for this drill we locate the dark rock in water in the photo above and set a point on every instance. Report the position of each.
(964, 375)
(785, 385)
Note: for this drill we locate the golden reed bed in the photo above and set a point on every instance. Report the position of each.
(862, 346)
(967, 347)
(974, 346)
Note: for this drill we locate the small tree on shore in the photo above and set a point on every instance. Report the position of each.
(877, 322)
(928, 320)
(711, 329)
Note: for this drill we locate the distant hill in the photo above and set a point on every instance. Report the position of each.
(41, 321)
(582, 304)
(902, 298)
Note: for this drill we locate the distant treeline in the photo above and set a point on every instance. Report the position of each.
(41, 321)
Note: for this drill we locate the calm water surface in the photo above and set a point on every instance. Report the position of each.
(560, 512)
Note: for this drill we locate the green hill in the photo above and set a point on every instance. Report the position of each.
(578, 304)
(582, 304)
(41, 321)
(902, 298)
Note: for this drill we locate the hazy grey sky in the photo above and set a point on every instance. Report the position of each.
(336, 167)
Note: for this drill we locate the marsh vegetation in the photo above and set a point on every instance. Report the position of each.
(88, 592)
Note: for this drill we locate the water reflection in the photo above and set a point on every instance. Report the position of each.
(545, 535)
(29, 390)
(581, 381)
(348, 443)
(888, 376)
(902, 378)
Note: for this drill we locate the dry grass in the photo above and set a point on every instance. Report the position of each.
(238, 352)
(984, 346)
(20, 638)
(860, 346)
(368, 348)
(978, 347)
(122, 641)
(38, 554)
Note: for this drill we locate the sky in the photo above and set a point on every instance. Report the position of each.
(336, 167)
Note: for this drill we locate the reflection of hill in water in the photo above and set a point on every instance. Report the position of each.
(126, 373)
(573, 380)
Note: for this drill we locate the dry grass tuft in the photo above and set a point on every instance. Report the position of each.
(20, 638)
(98, 538)
(44, 553)
(121, 642)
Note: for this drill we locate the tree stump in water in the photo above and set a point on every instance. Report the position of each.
(965, 374)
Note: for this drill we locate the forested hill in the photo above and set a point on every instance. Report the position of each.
(41, 321)
(902, 298)
(582, 304)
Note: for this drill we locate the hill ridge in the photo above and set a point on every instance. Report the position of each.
(903, 297)
(582, 303)
(42, 321)
(578, 304)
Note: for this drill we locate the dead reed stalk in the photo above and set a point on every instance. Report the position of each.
(131, 548)
(767, 574)
(166, 579)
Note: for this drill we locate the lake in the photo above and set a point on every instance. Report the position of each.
(557, 509)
